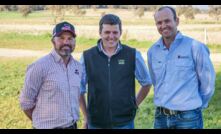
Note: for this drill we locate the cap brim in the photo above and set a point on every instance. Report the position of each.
(72, 32)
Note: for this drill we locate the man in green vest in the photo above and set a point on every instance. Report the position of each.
(109, 71)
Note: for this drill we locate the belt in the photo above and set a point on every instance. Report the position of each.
(73, 126)
(166, 111)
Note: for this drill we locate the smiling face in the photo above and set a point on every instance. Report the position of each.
(64, 44)
(110, 35)
(166, 23)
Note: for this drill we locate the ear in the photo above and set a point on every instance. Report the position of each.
(177, 21)
(52, 40)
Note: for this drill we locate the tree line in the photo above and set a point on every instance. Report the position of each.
(58, 11)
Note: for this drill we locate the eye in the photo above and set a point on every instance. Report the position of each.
(107, 32)
(61, 38)
(115, 32)
(159, 23)
(167, 21)
(70, 38)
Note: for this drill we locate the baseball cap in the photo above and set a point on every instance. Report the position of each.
(63, 26)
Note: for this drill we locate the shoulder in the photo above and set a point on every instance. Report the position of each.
(40, 63)
(154, 47)
(124, 46)
(195, 44)
(127, 49)
(90, 49)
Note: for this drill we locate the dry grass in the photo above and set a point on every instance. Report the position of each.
(133, 27)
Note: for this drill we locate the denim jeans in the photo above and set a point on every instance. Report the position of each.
(130, 125)
(191, 119)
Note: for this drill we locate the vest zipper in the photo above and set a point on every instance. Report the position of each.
(109, 88)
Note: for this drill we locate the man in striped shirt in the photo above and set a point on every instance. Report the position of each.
(50, 96)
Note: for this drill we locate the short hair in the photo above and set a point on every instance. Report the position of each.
(171, 9)
(110, 19)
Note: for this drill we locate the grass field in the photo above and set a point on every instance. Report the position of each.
(42, 42)
(92, 16)
(136, 28)
(12, 78)
(34, 33)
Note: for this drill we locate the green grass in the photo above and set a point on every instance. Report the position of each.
(12, 79)
(43, 42)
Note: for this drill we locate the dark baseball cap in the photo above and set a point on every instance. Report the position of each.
(62, 27)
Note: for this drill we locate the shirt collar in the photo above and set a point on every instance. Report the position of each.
(101, 49)
(179, 36)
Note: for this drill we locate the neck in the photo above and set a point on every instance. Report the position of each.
(168, 41)
(109, 50)
(66, 60)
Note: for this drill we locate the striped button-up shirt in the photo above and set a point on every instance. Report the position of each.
(141, 70)
(53, 89)
(183, 75)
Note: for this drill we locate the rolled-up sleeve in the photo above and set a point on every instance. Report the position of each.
(141, 71)
(206, 74)
(32, 85)
(84, 76)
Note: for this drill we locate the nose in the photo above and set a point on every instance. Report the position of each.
(163, 25)
(111, 35)
(66, 41)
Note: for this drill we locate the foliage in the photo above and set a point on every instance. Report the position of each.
(139, 12)
(188, 11)
(25, 10)
(215, 11)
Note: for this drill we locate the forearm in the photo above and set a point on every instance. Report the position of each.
(83, 106)
(143, 92)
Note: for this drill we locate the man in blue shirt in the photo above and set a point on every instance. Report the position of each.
(182, 74)
(109, 71)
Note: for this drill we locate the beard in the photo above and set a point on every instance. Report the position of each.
(65, 50)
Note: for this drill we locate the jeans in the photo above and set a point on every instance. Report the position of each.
(191, 119)
(130, 125)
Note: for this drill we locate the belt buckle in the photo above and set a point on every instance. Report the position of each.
(168, 112)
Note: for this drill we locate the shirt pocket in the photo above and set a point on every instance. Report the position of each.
(75, 86)
(157, 66)
(183, 63)
(51, 85)
(76, 81)
(184, 67)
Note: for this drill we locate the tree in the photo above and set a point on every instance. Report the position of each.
(188, 11)
(215, 11)
(8, 8)
(25, 10)
(2, 7)
(76, 10)
(94, 7)
(139, 12)
(180, 10)
(57, 11)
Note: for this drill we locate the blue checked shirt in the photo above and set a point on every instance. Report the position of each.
(183, 76)
(141, 71)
